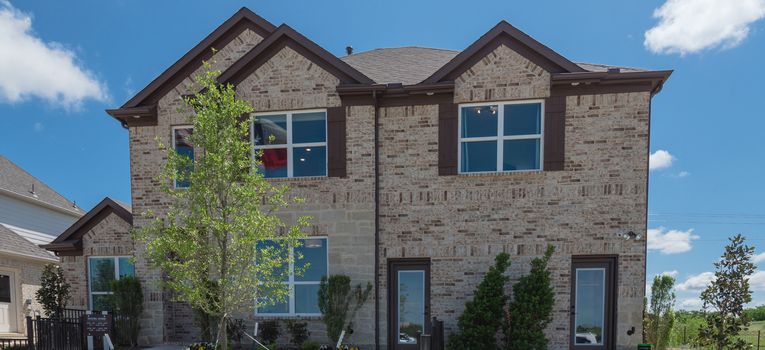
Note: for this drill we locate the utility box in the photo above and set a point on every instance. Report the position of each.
(644, 347)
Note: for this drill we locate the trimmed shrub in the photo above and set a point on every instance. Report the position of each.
(128, 306)
(269, 331)
(298, 332)
(54, 291)
(530, 311)
(477, 327)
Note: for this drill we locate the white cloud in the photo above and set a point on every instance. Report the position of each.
(31, 67)
(758, 258)
(757, 281)
(691, 303)
(688, 26)
(660, 159)
(672, 273)
(38, 126)
(670, 242)
(696, 282)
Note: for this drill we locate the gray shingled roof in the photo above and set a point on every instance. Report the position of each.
(18, 181)
(11, 242)
(410, 65)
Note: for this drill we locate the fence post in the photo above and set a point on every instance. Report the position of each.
(758, 339)
(30, 334)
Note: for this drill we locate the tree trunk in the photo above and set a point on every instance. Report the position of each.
(222, 334)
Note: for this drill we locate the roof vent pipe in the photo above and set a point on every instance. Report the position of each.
(349, 50)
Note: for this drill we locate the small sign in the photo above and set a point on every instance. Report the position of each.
(96, 326)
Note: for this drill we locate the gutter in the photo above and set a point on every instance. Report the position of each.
(377, 218)
(29, 257)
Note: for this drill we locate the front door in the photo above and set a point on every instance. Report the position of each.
(7, 303)
(409, 302)
(593, 285)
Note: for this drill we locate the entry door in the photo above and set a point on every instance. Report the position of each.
(7, 303)
(409, 302)
(593, 287)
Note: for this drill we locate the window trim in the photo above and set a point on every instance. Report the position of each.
(289, 145)
(172, 137)
(291, 283)
(116, 259)
(500, 137)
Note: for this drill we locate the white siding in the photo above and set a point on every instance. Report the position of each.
(31, 221)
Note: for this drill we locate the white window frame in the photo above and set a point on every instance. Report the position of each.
(500, 138)
(116, 259)
(291, 283)
(172, 136)
(289, 145)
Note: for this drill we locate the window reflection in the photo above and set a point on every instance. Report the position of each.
(590, 305)
(411, 305)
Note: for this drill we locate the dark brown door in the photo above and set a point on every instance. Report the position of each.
(593, 302)
(408, 302)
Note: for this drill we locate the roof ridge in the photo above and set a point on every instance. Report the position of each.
(73, 206)
(401, 47)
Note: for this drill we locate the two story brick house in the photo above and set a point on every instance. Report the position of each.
(419, 165)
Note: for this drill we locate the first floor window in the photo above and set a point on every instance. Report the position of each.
(501, 137)
(102, 271)
(303, 288)
(291, 144)
(183, 147)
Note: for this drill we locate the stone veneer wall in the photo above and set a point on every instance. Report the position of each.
(461, 222)
(28, 272)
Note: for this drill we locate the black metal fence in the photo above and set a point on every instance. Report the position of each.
(13, 344)
(54, 334)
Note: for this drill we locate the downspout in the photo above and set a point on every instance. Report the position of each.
(377, 218)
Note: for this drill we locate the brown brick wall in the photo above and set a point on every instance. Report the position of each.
(461, 222)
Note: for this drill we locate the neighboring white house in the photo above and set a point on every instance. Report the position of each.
(31, 214)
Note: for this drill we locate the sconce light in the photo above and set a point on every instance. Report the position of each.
(629, 235)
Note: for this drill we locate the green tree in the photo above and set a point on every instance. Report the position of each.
(478, 325)
(54, 292)
(211, 229)
(724, 299)
(530, 311)
(338, 303)
(128, 307)
(660, 317)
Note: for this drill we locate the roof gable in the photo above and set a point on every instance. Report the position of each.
(71, 239)
(283, 36)
(504, 34)
(18, 183)
(192, 60)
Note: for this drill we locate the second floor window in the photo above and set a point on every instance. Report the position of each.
(291, 144)
(500, 137)
(183, 147)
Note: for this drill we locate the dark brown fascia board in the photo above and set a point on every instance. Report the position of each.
(605, 82)
(67, 248)
(93, 217)
(135, 116)
(230, 29)
(462, 61)
(284, 35)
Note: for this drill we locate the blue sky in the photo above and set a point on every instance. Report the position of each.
(65, 62)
